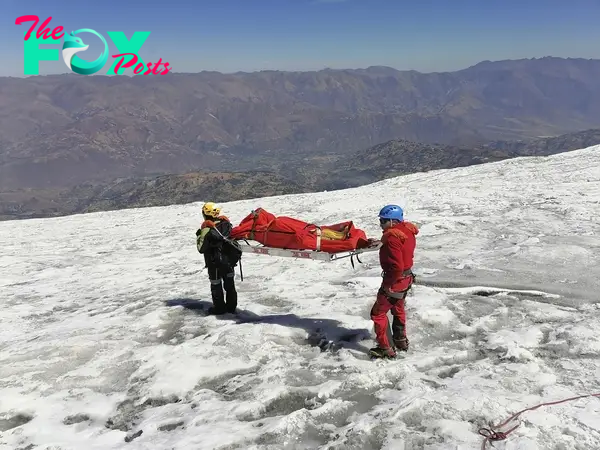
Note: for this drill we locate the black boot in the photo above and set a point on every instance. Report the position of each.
(379, 352)
(401, 344)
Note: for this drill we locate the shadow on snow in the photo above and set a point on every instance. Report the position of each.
(327, 334)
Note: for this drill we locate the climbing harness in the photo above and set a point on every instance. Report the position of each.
(400, 295)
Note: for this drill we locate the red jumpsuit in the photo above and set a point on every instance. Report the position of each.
(396, 259)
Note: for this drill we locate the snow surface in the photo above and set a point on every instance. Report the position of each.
(101, 336)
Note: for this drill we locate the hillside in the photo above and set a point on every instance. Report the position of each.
(398, 157)
(106, 343)
(153, 191)
(382, 161)
(61, 131)
(549, 146)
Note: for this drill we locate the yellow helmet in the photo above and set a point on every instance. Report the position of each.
(211, 210)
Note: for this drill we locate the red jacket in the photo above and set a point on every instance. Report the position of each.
(396, 255)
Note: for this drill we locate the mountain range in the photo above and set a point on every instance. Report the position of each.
(70, 143)
(390, 159)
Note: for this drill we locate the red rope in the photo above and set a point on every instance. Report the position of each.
(491, 434)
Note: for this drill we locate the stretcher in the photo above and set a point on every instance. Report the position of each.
(290, 237)
(317, 255)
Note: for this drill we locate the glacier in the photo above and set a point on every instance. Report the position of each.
(104, 342)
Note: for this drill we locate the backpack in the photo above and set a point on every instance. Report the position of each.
(232, 251)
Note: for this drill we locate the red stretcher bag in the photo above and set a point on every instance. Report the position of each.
(289, 233)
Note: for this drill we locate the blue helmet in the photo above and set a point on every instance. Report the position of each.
(392, 212)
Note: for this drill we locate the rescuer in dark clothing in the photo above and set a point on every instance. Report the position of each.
(221, 256)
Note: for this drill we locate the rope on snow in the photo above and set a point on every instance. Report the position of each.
(490, 434)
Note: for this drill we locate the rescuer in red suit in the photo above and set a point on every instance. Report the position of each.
(396, 259)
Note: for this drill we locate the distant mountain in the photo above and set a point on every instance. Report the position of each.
(61, 131)
(393, 158)
(400, 157)
(549, 146)
(153, 191)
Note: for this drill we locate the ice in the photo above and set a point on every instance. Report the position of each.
(105, 343)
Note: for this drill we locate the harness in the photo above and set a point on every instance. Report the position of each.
(400, 295)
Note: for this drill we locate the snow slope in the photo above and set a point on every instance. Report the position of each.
(101, 336)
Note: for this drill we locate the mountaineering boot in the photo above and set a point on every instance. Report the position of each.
(378, 352)
(401, 344)
(230, 307)
(216, 312)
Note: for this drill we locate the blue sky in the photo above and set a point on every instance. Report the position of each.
(249, 35)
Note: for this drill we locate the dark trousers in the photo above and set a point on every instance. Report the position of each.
(222, 278)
